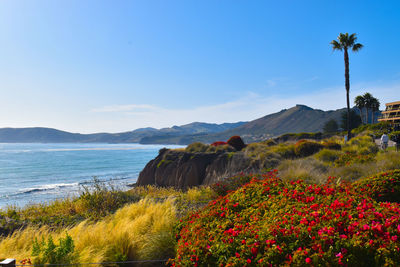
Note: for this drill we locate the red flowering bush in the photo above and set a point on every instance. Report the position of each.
(219, 143)
(304, 148)
(384, 186)
(236, 142)
(349, 158)
(269, 222)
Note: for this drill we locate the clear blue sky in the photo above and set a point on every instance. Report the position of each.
(90, 66)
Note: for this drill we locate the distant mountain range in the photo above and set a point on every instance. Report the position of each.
(49, 135)
(296, 119)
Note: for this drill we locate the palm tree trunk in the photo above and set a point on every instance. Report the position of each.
(366, 116)
(372, 121)
(347, 84)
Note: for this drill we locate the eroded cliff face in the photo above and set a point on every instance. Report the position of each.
(182, 169)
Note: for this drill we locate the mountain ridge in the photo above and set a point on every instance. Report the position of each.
(51, 135)
(299, 118)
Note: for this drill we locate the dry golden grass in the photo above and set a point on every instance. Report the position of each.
(143, 230)
(307, 169)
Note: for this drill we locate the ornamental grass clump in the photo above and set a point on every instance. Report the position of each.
(389, 160)
(261, 153)
(327, 155)
(196, 147)
(307, 169)
(137, 231)
(270, 222)
(285, 150)
(221, 148)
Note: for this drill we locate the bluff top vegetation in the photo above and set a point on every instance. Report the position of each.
(295, 213)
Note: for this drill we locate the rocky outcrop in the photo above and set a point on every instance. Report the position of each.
(183, 169)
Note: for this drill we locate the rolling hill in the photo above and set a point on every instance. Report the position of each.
(49, 135)
(299, 118)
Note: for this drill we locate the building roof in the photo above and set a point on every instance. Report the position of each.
(393, 103)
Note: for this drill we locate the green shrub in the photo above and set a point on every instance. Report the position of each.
(196, 147)
(361, 144)
(376, 129)
(384, 186)
(269, 142)
(327, 155)
(50, 253)
(361, 140)
(299, 136)
(285, 150)
(304, 148)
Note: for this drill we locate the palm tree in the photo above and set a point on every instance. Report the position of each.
(368, 99)
(375, 104)
(360, 104)
(343, 43)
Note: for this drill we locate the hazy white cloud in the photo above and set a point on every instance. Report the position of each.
(249, 107)
(119, 118)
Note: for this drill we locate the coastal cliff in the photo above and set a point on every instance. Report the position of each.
(183, 169)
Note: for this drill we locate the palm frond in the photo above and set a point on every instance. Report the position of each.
(343, 39)
(375, 104)
(357, 47)
(352, 39)
(359, 101)
(336, 45)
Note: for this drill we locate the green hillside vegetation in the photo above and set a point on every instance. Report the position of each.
(146, 223)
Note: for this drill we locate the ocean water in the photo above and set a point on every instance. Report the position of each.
(35, 173)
